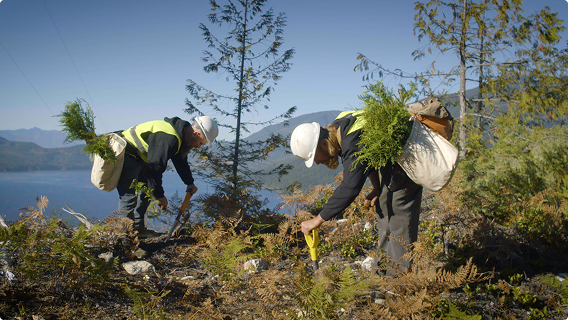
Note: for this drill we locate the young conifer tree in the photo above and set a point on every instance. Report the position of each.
(518, 153)
(250, 57)
(490, 39)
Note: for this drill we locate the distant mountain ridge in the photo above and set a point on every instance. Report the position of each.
(323, 118)
(43, 138)
(28, 156)
(56, 139)
(308, 177)
(38, 149)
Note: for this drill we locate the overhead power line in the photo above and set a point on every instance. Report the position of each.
(28, 80)
(73, 62)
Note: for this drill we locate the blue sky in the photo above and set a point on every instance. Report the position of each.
(130, 59)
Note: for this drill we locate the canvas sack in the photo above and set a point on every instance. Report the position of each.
(428, 159)
(434, 115)
(105, 174)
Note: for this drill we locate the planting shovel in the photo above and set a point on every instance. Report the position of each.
(181, 210)
(313, 242)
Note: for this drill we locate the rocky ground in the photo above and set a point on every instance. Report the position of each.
(517, 280)
(175, 288)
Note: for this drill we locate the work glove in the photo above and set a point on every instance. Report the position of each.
(191, 188)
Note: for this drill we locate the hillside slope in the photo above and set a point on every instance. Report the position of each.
(308, 177)
(43, 138)
(27, 156)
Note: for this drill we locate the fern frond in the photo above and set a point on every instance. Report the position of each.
(407, 306)
(349, 287)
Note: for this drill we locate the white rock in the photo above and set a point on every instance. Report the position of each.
(370, 263)
(136, 267)
(256, 265)
(107, 256)
(8, 275)
(6, 266)
(368, 226)
(339, 222)
(2, 223)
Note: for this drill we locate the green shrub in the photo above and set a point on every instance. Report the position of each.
(358, 241)
(223, 261)
(41, 249)
(146, 304)
(318, 299)
(522, 178)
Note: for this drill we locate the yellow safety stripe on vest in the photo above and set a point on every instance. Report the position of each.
(359, 122)
(134, 135)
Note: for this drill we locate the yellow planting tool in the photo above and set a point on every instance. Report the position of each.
(313, 242)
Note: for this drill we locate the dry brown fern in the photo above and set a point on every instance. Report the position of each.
(405, 307)
(220, 233)
(116, 228)
(300, 201)
(271, 287)
(276, 243)
(378, 311)
(207, 238)
(435, 281)
(207, 310)
(186, 253)
(35, 216)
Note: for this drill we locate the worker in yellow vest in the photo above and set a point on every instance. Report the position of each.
(150, 146)
(399, 198)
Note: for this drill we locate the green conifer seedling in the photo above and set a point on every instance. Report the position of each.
(80, 125)
(387, 125)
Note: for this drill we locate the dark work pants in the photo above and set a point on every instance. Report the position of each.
(398, 213)
(130, 205)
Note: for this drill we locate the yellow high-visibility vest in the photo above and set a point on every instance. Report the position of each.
(359, 122)
(134, 135)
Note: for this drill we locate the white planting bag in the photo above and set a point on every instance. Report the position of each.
(428, 158)
(105, 174)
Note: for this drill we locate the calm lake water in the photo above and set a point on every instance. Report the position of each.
(20, 190)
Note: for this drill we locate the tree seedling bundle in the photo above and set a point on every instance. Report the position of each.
(387, 125)
(80, 125)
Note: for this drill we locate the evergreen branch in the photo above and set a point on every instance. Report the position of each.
(79, 124)
(384, 140)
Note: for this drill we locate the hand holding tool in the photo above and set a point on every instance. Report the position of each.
(181, 211)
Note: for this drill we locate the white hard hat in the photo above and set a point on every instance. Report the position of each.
(209, 127)
(304, 142)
